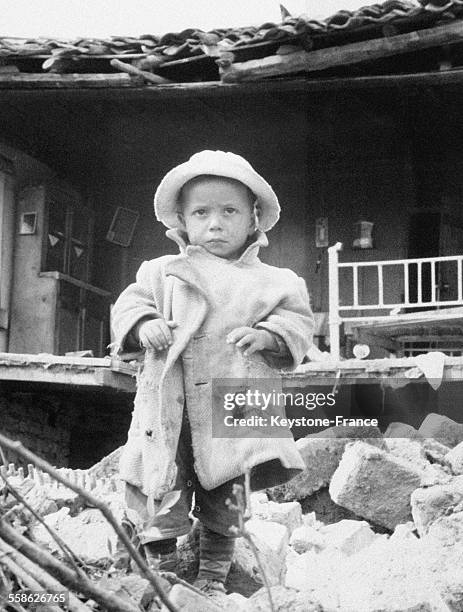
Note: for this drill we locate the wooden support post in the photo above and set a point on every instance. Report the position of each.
(333, 289)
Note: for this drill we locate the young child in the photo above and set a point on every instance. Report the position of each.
(214, 311)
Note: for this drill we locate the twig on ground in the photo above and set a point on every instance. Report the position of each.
(44, 580)
(68, 553)
(18, 448)
(80, 584)
(21, 575)
(243, 508)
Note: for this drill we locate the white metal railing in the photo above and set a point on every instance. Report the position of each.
(434, 301)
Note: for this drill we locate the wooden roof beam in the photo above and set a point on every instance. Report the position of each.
(331, 57)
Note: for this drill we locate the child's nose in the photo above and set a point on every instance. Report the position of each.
(215, 222)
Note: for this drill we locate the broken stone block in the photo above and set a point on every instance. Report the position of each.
(62, 496)
(288, 514)
(441, 428)
(132, 588)
(409, 450)
(258, 497)
(321, 453)
(375, 485)
(306, 538)
(443, 549)
(391, 576)
(259, 505)
(186, 600)
(404, 531)
(433, 451)
(430, 503)
(349, 537)
(401, 430)
(275, 535)
(314, 574)
(245, 569)
(455, 458)
(88, 534)
(310, 519)
(413, 452)
(321, 456)
(239, 601)
(284, 600)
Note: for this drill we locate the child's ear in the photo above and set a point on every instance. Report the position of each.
(254, 224)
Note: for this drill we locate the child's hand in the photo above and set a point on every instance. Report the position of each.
(156, 334)
(255, 339)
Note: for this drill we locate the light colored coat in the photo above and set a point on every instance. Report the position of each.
(208, 296)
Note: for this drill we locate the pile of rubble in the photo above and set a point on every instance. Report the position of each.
(398, 547)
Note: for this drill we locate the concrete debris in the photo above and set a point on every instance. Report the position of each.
(186, 600)
(405, 531)
(375, 485)
(306, 538)
(386, 535)
(132, 588)
(259, 505)
(239, 601)
(284, 600)
(430, 503)
(390, 576)
(276, 536)
(441, 428)
(322, 453)
(314, 575)
(433, 450)
(288, 514)
(271, 550)
(88, 535)
(413, 452)
(455, 459)
(443, 550)
(348, 537)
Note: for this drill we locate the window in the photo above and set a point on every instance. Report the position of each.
(68, 239)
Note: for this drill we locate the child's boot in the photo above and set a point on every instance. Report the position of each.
(161, 555)
(215, 557)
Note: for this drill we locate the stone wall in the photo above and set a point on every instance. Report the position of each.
(66, 427)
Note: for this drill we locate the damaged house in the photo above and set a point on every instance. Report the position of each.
(355, 121)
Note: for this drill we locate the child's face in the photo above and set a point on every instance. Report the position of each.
(217, 214)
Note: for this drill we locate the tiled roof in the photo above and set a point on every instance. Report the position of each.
(169, 54)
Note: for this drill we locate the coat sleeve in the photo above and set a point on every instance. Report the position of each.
(136, 302)
(292, 321)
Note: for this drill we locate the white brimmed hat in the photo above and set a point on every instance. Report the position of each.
(217, 163)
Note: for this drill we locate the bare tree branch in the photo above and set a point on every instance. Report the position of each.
(17, 447)
(36, 573)
(68, 553)
(81, 584)
(242, 507)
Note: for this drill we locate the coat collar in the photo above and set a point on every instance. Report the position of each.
(249, 255)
